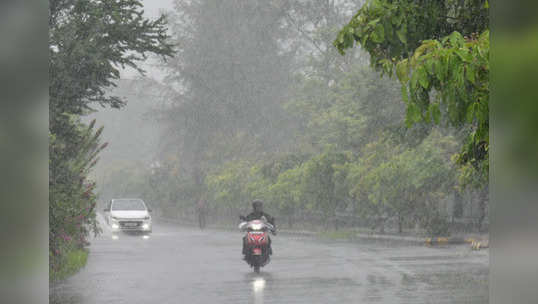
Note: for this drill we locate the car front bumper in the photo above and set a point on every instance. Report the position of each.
(131, 225)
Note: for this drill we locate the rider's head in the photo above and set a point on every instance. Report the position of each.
(257, 205)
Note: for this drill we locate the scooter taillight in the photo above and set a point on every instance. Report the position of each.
(257, 238)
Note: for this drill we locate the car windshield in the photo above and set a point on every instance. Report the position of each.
(128, 204)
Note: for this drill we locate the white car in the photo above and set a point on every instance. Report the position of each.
(128, 214)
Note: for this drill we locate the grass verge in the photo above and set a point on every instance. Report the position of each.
(74, 261)
(338, 234)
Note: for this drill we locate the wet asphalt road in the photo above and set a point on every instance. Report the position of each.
(184, 265)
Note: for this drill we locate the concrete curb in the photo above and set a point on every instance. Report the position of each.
(444, 240)
(476, 243)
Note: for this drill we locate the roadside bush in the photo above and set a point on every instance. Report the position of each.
(71, 262)
(436, 224)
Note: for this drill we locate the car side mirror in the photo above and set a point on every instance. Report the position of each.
(149, 210)
(242, 218)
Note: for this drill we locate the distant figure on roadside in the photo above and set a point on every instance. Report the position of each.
(201, 210)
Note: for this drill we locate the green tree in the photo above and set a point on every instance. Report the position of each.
(72, 202)
(350, 112)
(228, 186)
(322, 183)
(404, 182)
(313, 25)
(362, 181)
(440, 52)
(89, 41)
(286, 193)
(226, 84)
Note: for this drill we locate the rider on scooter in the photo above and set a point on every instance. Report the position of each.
(257, 214)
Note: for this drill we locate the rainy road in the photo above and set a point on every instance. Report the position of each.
(183, 265)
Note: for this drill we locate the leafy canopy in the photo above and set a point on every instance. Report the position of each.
(440, 53)
(89, 42)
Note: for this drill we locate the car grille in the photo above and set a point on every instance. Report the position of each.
(130, 224)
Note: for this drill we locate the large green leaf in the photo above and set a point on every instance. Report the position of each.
(435, 112)
(429, 66)
(405, 97)
(402, 71)
(470, 73)
(402, 34)
(422, 77)
(456, 39)
(464, 54)
(389, 31)
(378, 35)
(413, 114)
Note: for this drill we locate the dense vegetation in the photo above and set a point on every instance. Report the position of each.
(259, 103)
(440, 53)
(88, 42)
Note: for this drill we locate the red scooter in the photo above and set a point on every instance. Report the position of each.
(257, 242)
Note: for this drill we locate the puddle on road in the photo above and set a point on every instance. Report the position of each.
(469, 286)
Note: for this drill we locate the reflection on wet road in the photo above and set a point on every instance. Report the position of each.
(183, 265)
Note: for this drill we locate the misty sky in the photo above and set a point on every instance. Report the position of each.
(152, 9)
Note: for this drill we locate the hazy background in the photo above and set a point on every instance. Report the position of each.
(23, 58)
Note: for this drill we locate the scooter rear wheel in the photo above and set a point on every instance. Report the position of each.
(257, 269)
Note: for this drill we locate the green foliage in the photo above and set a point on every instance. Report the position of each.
(72, 201)
(392, 30)
(436, 224)
(355, 109)
(75, 259)
(458, 72)
(234, 185)
(469, 177)
(346, 148)
(233, 83)
(338, 235)
(440, 52)
(287, 192)
(88, 42)
(317, 184)
(386, 180)
(123, 179)
(400, 181)
(233, 75)
(323, 181)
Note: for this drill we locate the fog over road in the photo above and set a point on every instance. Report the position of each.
(183, 265)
